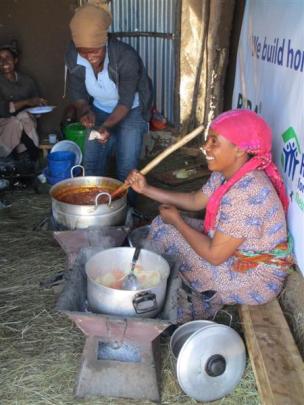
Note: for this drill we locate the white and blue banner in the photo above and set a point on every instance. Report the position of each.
(270, 80)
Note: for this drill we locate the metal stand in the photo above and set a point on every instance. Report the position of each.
(120, 357)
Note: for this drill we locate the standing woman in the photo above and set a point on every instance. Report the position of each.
(110, 91)
(240, 253)
(17, 92)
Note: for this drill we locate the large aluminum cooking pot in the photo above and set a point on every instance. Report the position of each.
(146, 302)
(77, 216)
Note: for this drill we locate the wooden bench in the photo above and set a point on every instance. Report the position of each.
(45, 147)
(275, 358)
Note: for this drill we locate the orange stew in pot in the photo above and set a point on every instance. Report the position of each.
(83, 196)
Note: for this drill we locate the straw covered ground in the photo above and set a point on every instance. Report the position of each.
(41, 349)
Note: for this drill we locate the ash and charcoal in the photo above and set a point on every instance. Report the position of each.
(116, 351)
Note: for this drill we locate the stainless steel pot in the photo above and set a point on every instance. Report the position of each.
(147, 302)
(73, 216)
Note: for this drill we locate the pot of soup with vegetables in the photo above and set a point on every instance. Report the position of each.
(106, 272)
(84, 201)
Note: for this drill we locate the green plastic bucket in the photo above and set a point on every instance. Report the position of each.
(75, 132)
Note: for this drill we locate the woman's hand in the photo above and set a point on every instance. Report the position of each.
(69, 115)
(36, 102)
(104, 135)
(137, 181)
(170, 214)
(88, 119)
(29, 102)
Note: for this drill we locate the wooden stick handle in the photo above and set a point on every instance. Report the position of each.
(187, 138)
(154, 162)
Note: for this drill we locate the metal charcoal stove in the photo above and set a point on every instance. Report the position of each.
(72, 241)
(134, 219)
(121, 356)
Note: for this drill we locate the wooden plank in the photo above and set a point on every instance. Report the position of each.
(46, 146)
(275, 358)
(45, 149)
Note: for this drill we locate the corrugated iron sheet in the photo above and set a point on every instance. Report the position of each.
(152, 20)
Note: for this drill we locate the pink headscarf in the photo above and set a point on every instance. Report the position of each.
(251, 133)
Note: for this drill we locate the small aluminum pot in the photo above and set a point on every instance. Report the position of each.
(181, 335)
(75, 216)
(145, 303)
(138, 236)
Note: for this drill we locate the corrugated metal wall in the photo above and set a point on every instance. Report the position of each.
(150, 27)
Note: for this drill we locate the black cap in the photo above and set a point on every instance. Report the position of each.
(12, 47)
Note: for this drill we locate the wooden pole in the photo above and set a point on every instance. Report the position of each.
(154, 162)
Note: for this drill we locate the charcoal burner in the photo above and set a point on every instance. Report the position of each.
(121, 356)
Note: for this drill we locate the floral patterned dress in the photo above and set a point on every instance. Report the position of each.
(250, 210)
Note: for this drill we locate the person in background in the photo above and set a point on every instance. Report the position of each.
(240, 253)
(17, 92)
(109, 91)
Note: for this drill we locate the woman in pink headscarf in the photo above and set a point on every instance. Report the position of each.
(239, 254)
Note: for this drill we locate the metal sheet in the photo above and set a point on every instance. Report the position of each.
(157, 53)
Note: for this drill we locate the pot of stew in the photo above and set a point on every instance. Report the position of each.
(81, 202)
(106, 272)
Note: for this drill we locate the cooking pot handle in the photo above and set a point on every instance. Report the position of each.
(72, 170)
(144, 302)
(100, 194)
(224, 312)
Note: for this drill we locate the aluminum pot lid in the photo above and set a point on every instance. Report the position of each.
(183, 332)
(211, 363)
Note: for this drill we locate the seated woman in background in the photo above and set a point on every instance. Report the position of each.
(17, 92)
(240, 253)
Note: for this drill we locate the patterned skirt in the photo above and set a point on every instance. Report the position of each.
(253, 287)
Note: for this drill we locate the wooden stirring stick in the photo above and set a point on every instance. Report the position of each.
(154, 162)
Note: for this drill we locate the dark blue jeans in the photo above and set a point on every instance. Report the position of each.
(126, 142)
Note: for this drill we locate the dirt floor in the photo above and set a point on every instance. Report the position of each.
(40, 348)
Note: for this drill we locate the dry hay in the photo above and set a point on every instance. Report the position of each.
(41, 349)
